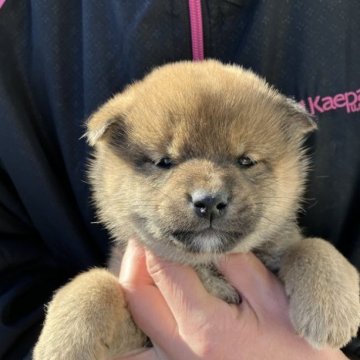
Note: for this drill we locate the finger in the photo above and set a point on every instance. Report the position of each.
(147, 305)
(256, 284)
(183, 291)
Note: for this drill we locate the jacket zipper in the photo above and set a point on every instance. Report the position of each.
(196, 25)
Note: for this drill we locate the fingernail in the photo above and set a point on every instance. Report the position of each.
(151, 258)
(133, 252)
(134, 248)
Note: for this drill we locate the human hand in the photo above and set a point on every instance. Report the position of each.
(169, 303)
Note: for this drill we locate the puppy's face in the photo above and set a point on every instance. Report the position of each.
(198, 159)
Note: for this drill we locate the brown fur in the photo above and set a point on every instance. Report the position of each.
(203, 116)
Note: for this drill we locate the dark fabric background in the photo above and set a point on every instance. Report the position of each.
(59, 60)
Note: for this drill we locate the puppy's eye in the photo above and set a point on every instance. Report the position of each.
(245, 162)
(164, 163)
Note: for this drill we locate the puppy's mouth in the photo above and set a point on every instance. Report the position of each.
(209, 240)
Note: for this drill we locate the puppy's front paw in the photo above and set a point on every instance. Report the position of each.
(323, 288)
(216, 285)
(331, 318)
(88, 319)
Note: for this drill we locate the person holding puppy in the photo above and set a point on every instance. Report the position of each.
(259, 328)
(60, 60)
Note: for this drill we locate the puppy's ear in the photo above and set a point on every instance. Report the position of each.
(299, 122)
(111, 113)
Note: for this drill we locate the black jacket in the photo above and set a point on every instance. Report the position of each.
(60, 59)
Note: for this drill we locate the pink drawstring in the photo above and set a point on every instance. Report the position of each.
(2, 2)
(196, 25)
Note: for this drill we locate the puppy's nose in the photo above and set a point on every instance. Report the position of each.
(209, 206)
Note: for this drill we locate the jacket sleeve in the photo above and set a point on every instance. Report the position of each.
(27, 276)
(46, 235)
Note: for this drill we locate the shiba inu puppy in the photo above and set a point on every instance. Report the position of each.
(195, 161)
